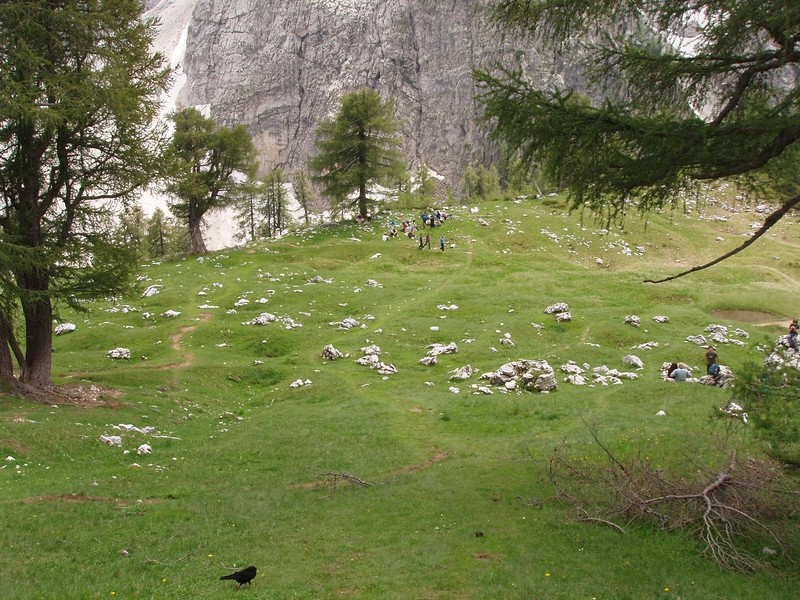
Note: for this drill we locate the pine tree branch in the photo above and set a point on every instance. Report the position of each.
(769, 222)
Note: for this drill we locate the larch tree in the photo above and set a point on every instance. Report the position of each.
(208, 163)
(678, 92)
(359, 147)
(79, 96)
(304, 194)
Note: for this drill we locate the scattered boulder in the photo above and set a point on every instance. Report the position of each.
(633, 361)
(633, 320)
(152, 291)
(319, 279)
(372, 360)
(111, 440)
(661, 319)
(783, 355)
(723, 379)
(602, 375)
(558, 307)
(461, 373)
(528, 374)
(437, 349)
(719, 335)
(331, 353)
(734, 410)
(646, 346)
(119, 353)
(63, 328)
(347, 324)
(429, 361)
(144, 449)
(572, 368)
(262, 319)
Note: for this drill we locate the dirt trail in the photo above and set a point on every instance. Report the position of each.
(175, 342)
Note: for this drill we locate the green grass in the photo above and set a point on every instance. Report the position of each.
(242, 471)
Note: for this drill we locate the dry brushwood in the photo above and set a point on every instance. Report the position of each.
(334, 478)
(730, 509)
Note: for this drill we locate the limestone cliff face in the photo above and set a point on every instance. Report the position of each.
(280, 67)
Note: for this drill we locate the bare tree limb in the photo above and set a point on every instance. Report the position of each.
(769, 222)
(347, 477)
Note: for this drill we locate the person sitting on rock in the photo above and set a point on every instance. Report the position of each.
(793, 335)
(682, 373)
(712, 361)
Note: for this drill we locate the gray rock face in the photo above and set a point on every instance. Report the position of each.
(280, 68)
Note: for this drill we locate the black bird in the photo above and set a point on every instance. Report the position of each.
(243, 576)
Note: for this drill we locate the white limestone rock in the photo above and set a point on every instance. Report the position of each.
(63, 328)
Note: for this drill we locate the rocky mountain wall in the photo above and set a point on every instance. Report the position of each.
(281, 66)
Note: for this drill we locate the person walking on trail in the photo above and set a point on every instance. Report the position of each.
(441, 243)
(428, 240)
(421, 241)
(712, 361)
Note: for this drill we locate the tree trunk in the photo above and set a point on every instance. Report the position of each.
(6, 365)
(9, 340)
(38, 312)
(197, 244)
(362, 200)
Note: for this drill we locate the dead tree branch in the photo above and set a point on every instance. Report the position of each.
(335, 477)
(733, 510)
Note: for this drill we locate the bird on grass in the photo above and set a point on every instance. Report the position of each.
(243, 576)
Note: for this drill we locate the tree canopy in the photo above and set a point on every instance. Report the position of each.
(80, 93)
(208, 163)
(678, 92)
(358, 147)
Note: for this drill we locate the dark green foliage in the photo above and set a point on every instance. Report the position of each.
(426, 184)
(204, 160)
(655, 119)
(305, 195)
(770, 396)
(357, 148)
(164, 237)
(80, 88)
(482, 182)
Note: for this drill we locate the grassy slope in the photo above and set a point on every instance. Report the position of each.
(245, 482)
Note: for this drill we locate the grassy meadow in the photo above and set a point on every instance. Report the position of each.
(455, 502)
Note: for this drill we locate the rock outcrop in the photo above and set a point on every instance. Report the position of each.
(280, 68)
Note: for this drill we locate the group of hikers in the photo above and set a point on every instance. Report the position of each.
(681, 372)
(409, 228)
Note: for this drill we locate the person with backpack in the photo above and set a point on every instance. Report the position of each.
(712, 361)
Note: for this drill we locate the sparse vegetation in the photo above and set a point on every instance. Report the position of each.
(248, 470)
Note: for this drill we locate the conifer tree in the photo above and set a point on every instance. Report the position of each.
(659, 114)
(79, 93)
(357, 148)
(208, 163)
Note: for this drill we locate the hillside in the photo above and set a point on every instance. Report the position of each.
(357, 484)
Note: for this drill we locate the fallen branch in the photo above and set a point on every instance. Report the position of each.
(347, 477)
(732, 509)
(769, 222)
